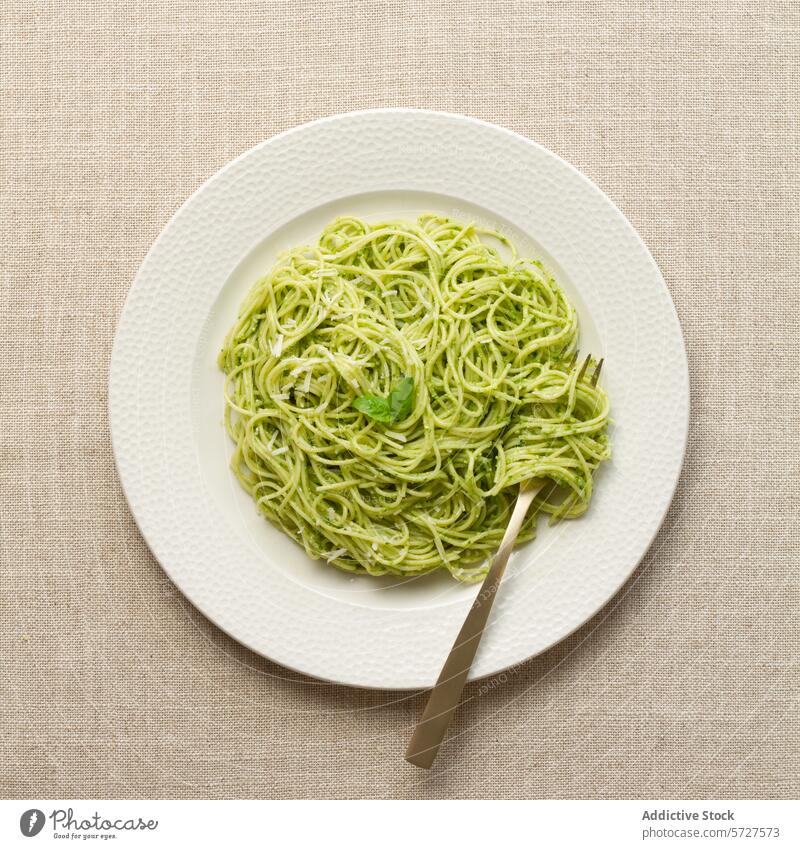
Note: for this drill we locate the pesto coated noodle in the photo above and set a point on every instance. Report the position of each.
(389, 388)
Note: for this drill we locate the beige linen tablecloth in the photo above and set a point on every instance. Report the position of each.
(686, 114)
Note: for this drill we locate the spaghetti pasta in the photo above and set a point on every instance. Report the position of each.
(388, 388)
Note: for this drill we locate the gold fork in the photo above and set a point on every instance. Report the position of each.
(446, 693)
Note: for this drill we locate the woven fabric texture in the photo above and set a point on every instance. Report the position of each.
(686, 114)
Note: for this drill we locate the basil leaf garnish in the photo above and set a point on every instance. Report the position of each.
(401, 399)
(373, 406)
(395, 408)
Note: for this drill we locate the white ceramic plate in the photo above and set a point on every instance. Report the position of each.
(166, 394)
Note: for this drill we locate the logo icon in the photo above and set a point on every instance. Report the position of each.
(31, 822)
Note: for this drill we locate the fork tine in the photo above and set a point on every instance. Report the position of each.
(572, 360)
(583, 368)
(596, 374)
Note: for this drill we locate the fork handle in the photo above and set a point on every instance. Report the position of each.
(446, 693)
